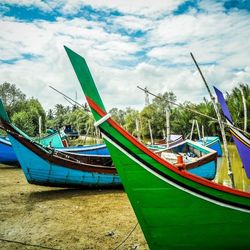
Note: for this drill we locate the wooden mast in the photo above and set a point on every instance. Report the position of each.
(221, 124)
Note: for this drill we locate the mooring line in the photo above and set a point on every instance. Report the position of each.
(126, 237)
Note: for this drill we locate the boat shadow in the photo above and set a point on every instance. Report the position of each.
(9, 167)
(57, 194)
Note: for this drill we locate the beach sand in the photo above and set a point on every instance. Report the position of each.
(62, 218)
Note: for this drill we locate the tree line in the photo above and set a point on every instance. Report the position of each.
(24, 113)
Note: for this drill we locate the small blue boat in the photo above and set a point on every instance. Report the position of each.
(47, 166)
(212, 142)
(197, 159)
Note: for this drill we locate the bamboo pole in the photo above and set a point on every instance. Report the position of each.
(150, 132)
(203, 135)
(87, 110)
(167, 126)
(222, 127)
(163, 133)
(198, 129)
(40, 127)
(192, 130)
(245, 108)
(138, 129)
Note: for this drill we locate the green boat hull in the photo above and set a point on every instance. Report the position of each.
(175, 209)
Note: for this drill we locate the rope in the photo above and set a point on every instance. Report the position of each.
(127, 236)
(27, 244)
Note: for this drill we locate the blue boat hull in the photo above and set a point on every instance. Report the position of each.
(42, 172)
(212, 142)
(7, 154)
(200, 160)
(97, 149)
(207, 171)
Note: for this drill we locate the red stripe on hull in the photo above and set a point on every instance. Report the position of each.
(185, 174)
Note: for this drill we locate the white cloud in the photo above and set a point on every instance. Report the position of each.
(145, 7)
(212, 35)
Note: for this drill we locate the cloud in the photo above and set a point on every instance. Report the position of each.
(145, 7)
(138, 43)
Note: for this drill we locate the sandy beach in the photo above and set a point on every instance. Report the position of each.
(60, 218)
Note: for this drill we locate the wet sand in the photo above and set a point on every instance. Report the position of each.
(62, 218)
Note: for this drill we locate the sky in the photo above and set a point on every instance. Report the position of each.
(125, 43)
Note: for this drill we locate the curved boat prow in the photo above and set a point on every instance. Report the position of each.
(175, 209)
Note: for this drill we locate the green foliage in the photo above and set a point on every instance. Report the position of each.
(24, 113)
(118, 115)
(12, 98)
(235, 105)
(79, 119)
(28, 118)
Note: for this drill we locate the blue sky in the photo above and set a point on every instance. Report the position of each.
(125, 43)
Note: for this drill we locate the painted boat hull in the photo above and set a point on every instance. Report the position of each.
(212, 142)
(97, 149)
(175, 209)
(42, 172)
(7, 154)
(47, 166)
(204, 164)
(174, 219)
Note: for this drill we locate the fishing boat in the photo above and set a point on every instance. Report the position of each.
(163, 143)
(53, 139)
(175, 208)
(212, 142)
(241, 141)
(47, 166)
(192, 157)
(8, 156)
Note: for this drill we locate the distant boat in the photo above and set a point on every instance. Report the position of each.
(48, 166)
(8, 155)
(241, 141)
(195, 158)
(175, 209)
(212, 142)
(161, 144)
